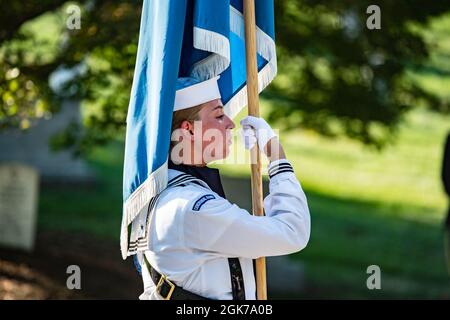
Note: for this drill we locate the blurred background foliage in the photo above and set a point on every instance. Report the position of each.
(339, 84)
(336, 76)
(341, 77)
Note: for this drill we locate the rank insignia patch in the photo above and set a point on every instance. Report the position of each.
(200, 202)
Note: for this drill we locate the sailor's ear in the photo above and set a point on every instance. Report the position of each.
(188, 128)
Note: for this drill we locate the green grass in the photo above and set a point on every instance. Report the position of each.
(370, 207)
(405, 173)
(95, 208)
(349, 235)
(367, 207)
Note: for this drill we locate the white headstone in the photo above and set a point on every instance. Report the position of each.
(18, 204)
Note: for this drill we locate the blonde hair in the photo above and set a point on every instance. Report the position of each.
(189, 114)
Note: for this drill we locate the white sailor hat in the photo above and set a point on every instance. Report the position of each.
(191, 92)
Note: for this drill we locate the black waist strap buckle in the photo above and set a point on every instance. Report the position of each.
(167, 289)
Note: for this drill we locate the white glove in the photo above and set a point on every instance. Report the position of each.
(256, 130)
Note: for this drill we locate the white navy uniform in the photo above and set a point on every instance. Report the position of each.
(193, 231)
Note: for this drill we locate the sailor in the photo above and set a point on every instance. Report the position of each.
(446, 183)
(192, 243)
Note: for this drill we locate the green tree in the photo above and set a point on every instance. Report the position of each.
(340, 70)
(335, 75)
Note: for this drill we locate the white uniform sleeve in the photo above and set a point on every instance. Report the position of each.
(213, 224)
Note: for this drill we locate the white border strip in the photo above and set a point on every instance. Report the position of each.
(216, 62)
(155, 183)
(265, 46)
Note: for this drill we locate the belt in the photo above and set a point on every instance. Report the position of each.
(167, 289)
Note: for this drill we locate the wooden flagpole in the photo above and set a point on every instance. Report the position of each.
(253, 110)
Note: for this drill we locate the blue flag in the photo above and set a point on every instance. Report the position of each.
(184, 38)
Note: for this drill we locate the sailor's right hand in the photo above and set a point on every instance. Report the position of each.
(257, 130)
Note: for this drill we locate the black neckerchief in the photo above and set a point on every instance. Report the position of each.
(209, 175)
(212, 178)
